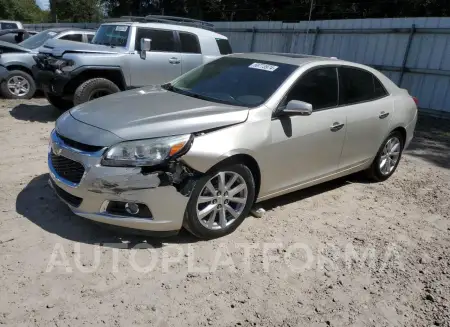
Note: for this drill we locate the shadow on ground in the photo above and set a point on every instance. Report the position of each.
(38, 203)
(432, 141)
(35, 113)
(313, 191)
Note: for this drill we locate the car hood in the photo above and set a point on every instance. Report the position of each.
(7, 47)
(154, 112)
(58, 47)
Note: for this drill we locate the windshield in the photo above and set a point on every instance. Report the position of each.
(235, 81)
(38, 40)
(113, 35)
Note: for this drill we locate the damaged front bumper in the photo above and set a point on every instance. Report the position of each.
(93, 195)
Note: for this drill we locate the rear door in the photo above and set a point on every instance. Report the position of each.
(162, 64)
(369, 109)
(190, 51)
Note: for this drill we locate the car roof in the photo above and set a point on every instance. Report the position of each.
(302, 59)
(298, 59)
(175, 27)
(68, 29)
(282, 58)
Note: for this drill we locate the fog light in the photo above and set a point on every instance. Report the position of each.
(127, 209)
(132, 208)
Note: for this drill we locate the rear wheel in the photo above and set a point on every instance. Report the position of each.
(388, 157)
(93, 89)
(18, 85)
(58, 102)
(220, 201)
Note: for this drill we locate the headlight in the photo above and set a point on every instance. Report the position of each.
(146, 152)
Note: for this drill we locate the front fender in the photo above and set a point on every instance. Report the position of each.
(246, 138)
(23, 60)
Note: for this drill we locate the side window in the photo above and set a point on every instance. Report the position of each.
(73, 37)
(357, 85)
(189, 43)
(379, 89)
(224, 46)
(162, 41)
(9, 26)
(90, 37)
(318, 87)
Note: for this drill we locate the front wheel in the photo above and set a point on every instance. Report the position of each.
(388, 157)
(18, 85)
(93, 89)
(220, 201)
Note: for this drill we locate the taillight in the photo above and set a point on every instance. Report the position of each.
(416, 101)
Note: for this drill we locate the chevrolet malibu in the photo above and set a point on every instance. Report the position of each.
(200, 151)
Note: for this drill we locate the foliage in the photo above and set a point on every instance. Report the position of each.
(279, 9)
(287, 10)
(22, 10)
(76, 11)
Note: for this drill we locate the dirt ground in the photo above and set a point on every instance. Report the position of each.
(346, 253)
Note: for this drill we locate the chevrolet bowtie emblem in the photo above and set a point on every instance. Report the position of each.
(56, 149)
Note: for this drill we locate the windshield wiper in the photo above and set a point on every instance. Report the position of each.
(170, 87)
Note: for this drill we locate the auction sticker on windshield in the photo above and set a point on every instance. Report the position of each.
(121, 28)
(266, 67)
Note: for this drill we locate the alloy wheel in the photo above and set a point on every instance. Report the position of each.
(390, 155)
(18, 86)
(222, 200)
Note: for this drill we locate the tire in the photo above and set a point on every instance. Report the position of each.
(20, 81)
(58, 102)
(202, 228)
(378, 172)
(94, 88)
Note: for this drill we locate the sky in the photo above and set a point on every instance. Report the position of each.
(43, 4)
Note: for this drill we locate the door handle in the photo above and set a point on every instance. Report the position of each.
(383, 115)
(174, 60)
(336, 126)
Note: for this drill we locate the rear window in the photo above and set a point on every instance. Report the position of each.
(8, 26)
(224, 46)
(39, 39)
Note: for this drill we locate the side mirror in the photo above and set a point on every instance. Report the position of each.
(145, 46)
(298, 108)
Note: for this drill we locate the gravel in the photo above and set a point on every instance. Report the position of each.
(344, 253)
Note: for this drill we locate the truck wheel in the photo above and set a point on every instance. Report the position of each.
(93, 89)
(58, 102)
(18, 85)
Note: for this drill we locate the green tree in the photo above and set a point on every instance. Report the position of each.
(290, 10)
(76, 11)
(22, 10)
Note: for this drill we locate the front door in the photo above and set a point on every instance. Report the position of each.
(162, 63)
(306, 148)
